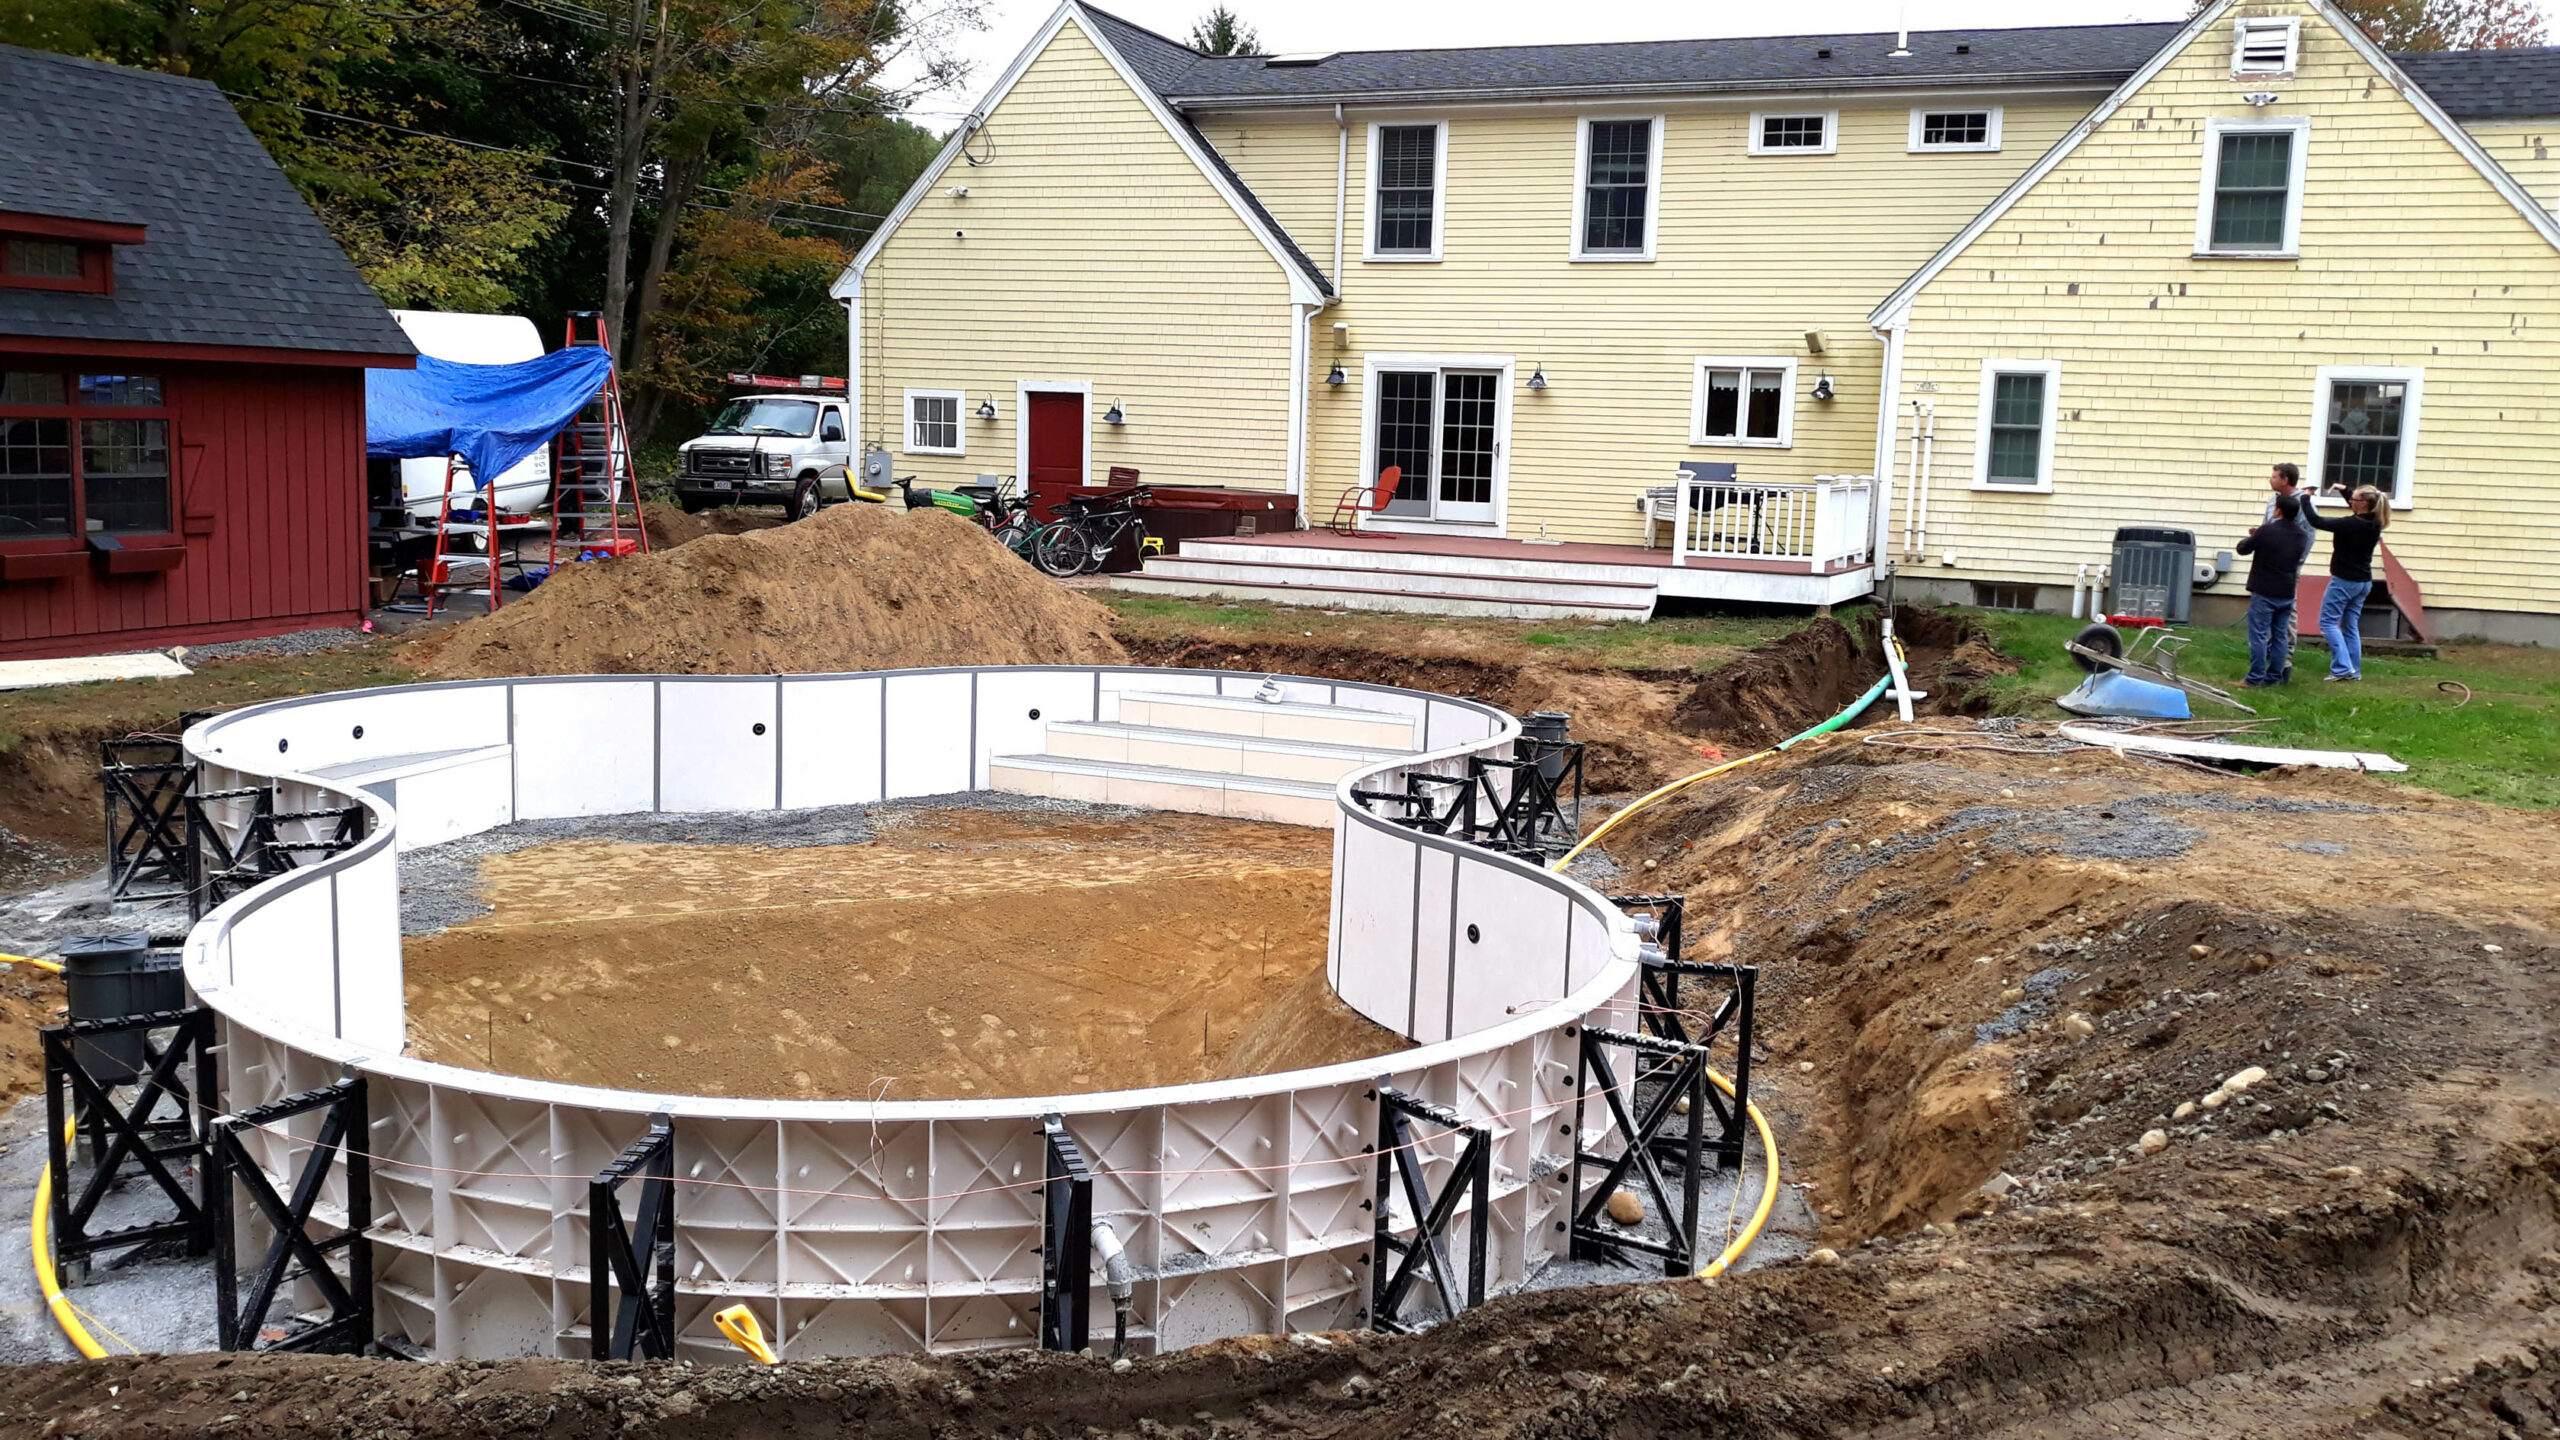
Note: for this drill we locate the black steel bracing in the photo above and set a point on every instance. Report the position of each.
(144, 786)
(1669, 1009)
(1066, 1241)
(639, 1257)
(1528, 805)
(1638, 1118)
(155, 1132)
(1400, 1167)
(296, 1255)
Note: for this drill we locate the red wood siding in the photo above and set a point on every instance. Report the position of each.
(276, 454)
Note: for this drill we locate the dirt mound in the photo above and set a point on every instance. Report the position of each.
(1797, 680)
(669, 526)
(856, 587)
(1950, 656)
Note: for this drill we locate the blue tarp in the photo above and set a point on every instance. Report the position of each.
(491, 415)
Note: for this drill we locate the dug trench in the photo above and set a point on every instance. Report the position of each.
(1988, 978)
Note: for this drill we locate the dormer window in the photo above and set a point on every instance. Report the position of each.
(2265, 46)
(45, 252)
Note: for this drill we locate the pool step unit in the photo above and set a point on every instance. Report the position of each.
(1211, 755)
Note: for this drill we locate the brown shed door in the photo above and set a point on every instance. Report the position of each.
(1055, 441)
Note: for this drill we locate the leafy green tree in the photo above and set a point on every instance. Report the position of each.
(1223, 32)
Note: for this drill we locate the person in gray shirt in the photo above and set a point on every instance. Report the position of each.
(2286, 479)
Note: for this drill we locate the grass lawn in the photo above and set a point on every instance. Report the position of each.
(1691, 642)
(112, 707)
(2502, 746)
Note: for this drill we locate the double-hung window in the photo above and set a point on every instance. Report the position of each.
(2250, 203)
(933, 422)
(1614, 198)
(1805, 132)
(2364, 428)
(1743, 400)
(2014, 429)
(1977, 129)
(1406, 190)
(83, 454)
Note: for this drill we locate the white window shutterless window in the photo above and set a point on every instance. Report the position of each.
(2250, 201)
(1617, 188)
(1743, 400)
(933, 422)
(1408, 190)
(2364, 428)
(2014, 426)
(1797, 132)
(1976, 129)
(1442, 424)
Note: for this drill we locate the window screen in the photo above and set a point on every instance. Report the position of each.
(936, 423)
(1616, 179)
(1408, 163)
(1953, 128)
(2017, 430)
(2252, 190)
(1793, 132)
(2364, 434)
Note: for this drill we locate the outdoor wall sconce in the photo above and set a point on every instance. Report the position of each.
(1822, 388)
(1334, 376)
(2261, 99)
(1113, 416)
(987, 408)
(1538, 377)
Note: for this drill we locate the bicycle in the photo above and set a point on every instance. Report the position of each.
(1006, 513)
(1080, 542)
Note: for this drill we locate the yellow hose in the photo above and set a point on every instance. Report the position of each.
(1768, 1189)
(40, 1241)
(37, 961)
(1674, 788)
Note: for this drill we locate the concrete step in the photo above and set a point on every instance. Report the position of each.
(1165, 787)
(1305, 760)
(1243, 715)
(1478, 582)
(1385, 595)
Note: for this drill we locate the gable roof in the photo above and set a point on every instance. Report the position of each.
(1896, 305)
(2085, 54)
(2489, 84)
(232, 256)
(1308, 283)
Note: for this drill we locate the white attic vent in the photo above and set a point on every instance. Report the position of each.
(2265, 46)
(1298, 60)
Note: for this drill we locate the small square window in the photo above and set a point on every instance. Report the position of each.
(1809, 134)
(1743, 401)
(933, 421)
(120, 390)
(31, 387)
(1955, 129)
(42, 259)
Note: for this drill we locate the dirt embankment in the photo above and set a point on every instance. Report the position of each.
(669, 526)
(856, 587)
(1806, 677)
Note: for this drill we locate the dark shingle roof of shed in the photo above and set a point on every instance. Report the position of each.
(2489, 84)
(233, 255)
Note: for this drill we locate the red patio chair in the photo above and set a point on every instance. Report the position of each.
(1362, 500)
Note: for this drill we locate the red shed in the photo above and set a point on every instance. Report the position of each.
(182, 358)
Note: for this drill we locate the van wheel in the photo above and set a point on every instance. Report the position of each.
(804, 499)
(689, 505)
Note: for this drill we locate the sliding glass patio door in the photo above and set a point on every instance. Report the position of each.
(1441, 427)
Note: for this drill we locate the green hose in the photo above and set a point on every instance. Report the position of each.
(1874, 693)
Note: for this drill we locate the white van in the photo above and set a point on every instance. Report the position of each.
(473, 340)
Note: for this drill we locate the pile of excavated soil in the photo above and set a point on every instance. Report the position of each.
(962, 953)
(1807, 676)
(669, 526)
(856, 587)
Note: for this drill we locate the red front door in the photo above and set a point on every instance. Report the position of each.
(1054, 440)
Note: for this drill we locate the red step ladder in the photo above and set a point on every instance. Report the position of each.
(595, 496)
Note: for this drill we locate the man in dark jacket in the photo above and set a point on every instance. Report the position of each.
(2276, 551)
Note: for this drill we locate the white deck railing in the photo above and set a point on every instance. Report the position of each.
(1821, 523)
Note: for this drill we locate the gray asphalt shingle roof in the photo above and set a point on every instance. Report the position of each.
(2489, 84)
(233, 255)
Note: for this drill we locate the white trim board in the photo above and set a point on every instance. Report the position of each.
(1303, 289)
(1894, 310)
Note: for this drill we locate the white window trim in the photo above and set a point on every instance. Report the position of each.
(1582, 190)
(1698, 368)
(1919, 118)
(2051, 370)
(2415, 377)
(2214, 130)
(1830, 132)
(1022, 393)
(959, 415)
(2292, 26)
(1439, 197)
(1506, 366)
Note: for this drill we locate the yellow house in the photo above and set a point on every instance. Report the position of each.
(1609, 312)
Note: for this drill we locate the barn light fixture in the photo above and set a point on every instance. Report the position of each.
(2261, 99)
(1113, 416)
(1538, 377)
(1334, 376)
(987, 408)
(1822, 387)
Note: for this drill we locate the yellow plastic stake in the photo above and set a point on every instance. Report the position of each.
(739, 1324)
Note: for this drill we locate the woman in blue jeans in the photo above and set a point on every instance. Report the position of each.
(2353, 537)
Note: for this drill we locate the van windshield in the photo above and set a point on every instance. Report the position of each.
(766, 417)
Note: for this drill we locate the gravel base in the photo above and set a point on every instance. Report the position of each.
(299, 642)
(440, 884)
